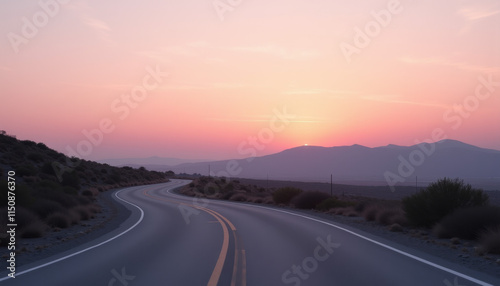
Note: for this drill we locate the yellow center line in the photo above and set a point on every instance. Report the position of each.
(216, 273)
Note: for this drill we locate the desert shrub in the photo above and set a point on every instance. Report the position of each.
(430, 205)
(71, 179)
(73, 216)
(309, 200)
(395, 227)
(44, 208)
(229, 187)
(400, 218)
(47, 168)
(344, 211)
(371, 213)
(33, 230)
(70, 190)
(333, 202)
(386, 216)
(26, 170)
(360, 207)
(35, 157)
(83, 212)
(490, 240)
(88, 193)
(258, 200)
(94, 208)
(238, 198)
(59, 220)
(227, 195)
(25, 216)
(285, 195)
(468, 223)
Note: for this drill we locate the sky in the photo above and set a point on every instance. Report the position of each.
(229, 78)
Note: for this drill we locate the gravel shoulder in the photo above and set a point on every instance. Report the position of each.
(112, 215)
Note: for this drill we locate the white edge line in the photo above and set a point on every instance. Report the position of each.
(86, 249)
(472, 279)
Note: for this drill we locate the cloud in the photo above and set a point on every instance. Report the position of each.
(477, 13)
(446, 62)
(334, 93)
(201, 48)
(5, 68)
(473, 14)
(387, 98)
(276, 51)
(96, 24)
(265, 118)
(187, 86)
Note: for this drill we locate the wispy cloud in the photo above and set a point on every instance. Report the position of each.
(477, 13)
(96, 24)
(450, 63)
(265, 118)
(277, 51)
(202, 48)
(186, 86)
(327, 92)
(99, 26)
(388, 98)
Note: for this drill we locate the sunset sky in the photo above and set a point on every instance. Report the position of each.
(345, 72)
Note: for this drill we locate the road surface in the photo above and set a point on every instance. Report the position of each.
(175, 240)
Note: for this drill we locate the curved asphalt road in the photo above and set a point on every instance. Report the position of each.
(175, 240)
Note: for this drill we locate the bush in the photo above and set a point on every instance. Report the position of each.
(71, 179)
(371, 213)
(44, 208)
(58, 220)
(33, 230)
(333, 202)
(386, 217)
(25, 216)
(83, 212)
(441, 198)
(238, 198)
(490, 240)
(285, 195)
(468, 223)
(35, 157)
(309, 200)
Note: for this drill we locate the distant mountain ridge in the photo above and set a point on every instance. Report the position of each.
(356, 163)
(149, 161)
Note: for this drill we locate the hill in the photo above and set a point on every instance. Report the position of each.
(52, 190)
(356, 164)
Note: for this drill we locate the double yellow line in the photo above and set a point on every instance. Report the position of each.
(239, 265)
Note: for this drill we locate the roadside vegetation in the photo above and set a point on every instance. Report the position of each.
(53, 191)
(446, 209)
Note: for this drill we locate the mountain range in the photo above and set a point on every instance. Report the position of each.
(356, 164)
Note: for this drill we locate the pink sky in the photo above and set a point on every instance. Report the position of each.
(227, 78)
